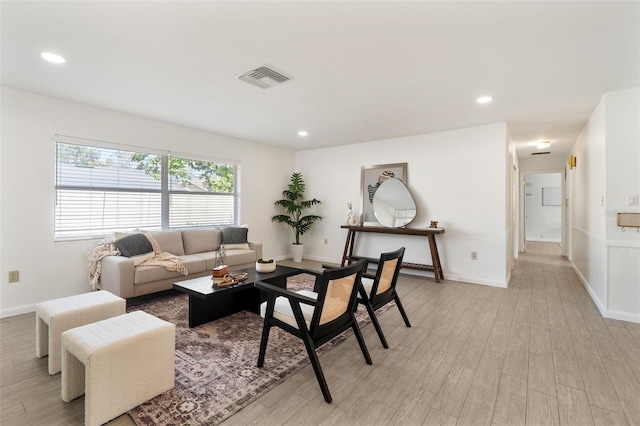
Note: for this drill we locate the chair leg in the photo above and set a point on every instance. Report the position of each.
(315, 362)
(263, 343)
(376, 323)
(363, 346)
(402, 312)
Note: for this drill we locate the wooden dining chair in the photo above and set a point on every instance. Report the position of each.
(315, 316)
(379, 289)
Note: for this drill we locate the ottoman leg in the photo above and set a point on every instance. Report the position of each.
(42, 337)
(56, 327)
(73, 376)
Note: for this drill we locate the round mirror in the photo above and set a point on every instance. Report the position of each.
(393, 204)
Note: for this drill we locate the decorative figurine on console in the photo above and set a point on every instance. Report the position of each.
(352, 219)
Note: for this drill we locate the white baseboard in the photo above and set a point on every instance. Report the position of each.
(622, 316)
(587, 287)
(475, 280)
(324, 259)
(617, 315)
(11, 312)
(419, 273)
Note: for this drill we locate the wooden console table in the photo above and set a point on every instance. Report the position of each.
(430, 233)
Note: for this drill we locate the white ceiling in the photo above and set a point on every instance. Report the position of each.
(361, 70)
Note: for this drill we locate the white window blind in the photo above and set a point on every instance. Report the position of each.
(201, 193)
(101, 190)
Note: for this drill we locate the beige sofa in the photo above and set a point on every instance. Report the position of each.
(197, 247)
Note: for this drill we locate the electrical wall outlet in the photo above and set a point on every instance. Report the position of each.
(474, 255)
(14, 276)
(632, 199)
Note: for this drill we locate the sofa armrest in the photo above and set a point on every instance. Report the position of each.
(117, 276)
(257, 247)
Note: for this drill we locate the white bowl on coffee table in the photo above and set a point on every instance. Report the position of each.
(266, 267)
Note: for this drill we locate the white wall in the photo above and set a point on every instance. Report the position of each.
(588, 178)
(512, 194)
(456, 177)
(623, 178)
(608, 159)
(49, 270)
(542, 163)
(542, 222)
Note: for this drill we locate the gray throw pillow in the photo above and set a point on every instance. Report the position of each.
(134, 245)
(234, 235)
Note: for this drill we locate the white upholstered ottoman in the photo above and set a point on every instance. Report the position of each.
(56, 316)
(118, 363)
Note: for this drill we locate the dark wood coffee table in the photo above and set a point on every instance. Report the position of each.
(208, 303)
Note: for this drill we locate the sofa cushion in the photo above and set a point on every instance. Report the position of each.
(147, 274)
(209, 258)
(234, 235)
(142, 257)
(244, 246)
(235, 238)
(199, 240)
(233, 258)
(193, 263)
(238, 257)
(169, 241)
(133, 245)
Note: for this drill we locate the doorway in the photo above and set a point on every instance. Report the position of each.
(543, 207)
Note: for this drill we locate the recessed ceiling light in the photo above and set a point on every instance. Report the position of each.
(543, 144)
(302, 133)
(53, 58)
(484, 99)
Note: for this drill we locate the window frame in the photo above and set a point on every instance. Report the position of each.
(164, 191)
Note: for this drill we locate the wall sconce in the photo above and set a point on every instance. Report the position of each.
(572, 162)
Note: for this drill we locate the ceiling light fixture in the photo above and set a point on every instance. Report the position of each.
(484, 99)
(543, 144)
(53, 58)
(302, 133)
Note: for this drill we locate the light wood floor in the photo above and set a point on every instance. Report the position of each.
(536, 353)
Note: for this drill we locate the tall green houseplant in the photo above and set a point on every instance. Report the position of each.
(294, 205)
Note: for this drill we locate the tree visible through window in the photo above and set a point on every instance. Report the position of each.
(102, 190)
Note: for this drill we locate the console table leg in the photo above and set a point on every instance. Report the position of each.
(348, 248)
(435, 258)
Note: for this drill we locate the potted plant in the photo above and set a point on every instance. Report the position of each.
(294, 205)
(265, 265)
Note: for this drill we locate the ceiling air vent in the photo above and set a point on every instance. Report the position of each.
(541, 153)
(264, 77)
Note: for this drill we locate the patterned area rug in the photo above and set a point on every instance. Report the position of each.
(216, 373)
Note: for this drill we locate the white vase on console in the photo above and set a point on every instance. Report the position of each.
(352, 219)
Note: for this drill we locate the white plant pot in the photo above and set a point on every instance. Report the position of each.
(297, 252)
(266, 267)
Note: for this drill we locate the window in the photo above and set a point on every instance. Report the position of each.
(101, 190)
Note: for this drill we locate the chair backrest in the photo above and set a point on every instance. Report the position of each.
(387, 273)
(337, 298)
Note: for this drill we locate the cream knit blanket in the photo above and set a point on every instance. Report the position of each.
(107, 247)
